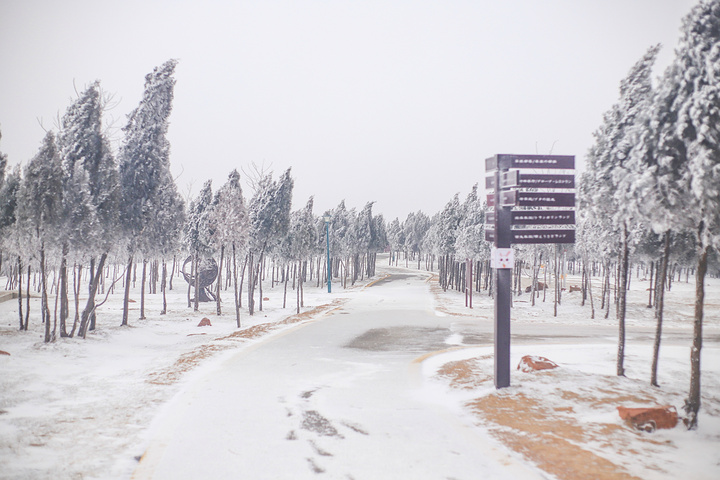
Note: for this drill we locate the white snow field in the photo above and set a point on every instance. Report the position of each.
(356, 387)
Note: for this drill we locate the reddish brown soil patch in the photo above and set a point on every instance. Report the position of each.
(546, 431)
(547, 439)
(464, 373)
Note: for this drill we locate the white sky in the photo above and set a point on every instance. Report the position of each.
(397, 102)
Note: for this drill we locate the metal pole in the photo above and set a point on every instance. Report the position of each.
(503, 279)
(327, 242)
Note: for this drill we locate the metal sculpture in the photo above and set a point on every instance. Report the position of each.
(207, 273)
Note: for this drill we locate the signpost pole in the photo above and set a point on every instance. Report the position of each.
(501, 219)
(503, 282)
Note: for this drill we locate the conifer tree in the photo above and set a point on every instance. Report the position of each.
(446, 234)
(90, 197)
(269, 216)
(680, 155)
(299, 243)
(144, 166)
(40, 207)
(610, 169)
(199, 234)
(229, 222)
(396, 239)
(470, 242)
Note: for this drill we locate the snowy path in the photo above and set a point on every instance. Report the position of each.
(340, 397)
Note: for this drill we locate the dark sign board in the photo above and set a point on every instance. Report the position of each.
(504, 162)
(513, 178)
(491, 200)
(508, 198)
(510, 179)
(542, 217)
(539, 199)
(543, 236)
(489, 235)
(490, 217)
(546, 181)
(491, 164)
(490, 182)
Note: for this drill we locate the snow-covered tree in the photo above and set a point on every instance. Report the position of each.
(396, 238)
(144, 165)
(90, 196)
(299, 244)
(269, 216)
(415, 228)
(199, 233)
(447, 231)
(229, 222)
(470, 242)
(609, 172)
(8, 201)
(679, 155)
(40, 207)
(378, 243)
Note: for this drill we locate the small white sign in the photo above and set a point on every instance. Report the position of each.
(502, 258)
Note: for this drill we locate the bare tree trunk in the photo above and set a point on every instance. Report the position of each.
(20, 311)
(235, 287)
(607, 291)
(219, 278)
(64, 308)
(590, 292)
(652, 287)
(27, 300)
(172, 272)
(90, 305)
(302, 283)
(45, 310)
(190, 279)
(583, 284)
(469, 280)
(242, 281)
(659, 305)
(622, 297)
(142, 289)
(259, 277)
(545, 282)
(297, 290)
(77, 276)
(196, 277)
(286, 274)
(163, 285)
(250, 285)
(692, 404)
(126, 298)
(534, 278)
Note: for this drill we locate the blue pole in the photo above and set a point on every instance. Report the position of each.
(327, 242)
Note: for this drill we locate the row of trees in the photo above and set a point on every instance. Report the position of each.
(655, 169)
(75, 201)
(75, 205)
(650, 194)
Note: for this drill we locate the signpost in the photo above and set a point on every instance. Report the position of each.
(506, 175)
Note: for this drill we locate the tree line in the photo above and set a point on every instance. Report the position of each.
(75, 204)
(649, 199)
(650, 195)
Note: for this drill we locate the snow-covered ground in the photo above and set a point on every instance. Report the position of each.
(84, 408)
(556, 415)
